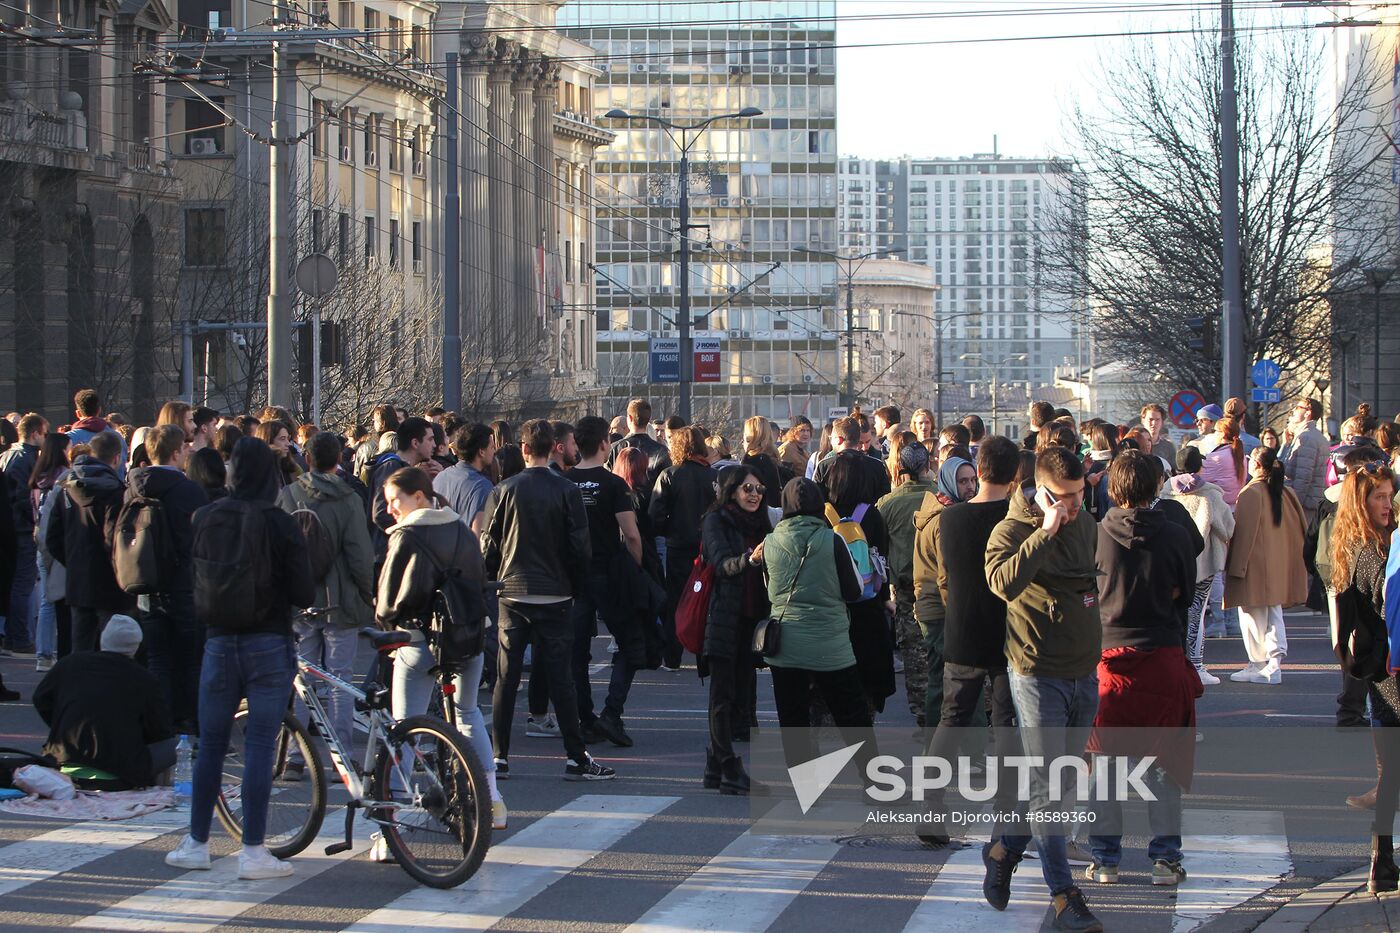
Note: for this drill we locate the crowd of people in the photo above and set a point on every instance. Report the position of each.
(1068, 581)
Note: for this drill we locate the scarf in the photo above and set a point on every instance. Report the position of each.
(948, 478)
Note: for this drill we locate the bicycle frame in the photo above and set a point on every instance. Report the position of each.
(319, 723)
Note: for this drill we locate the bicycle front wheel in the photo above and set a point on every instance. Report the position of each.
(298, 802)
(440, 825)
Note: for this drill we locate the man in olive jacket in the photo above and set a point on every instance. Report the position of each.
(1041, 560)
(897, 509)
(348, 588)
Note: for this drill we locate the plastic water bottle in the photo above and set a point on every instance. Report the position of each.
(184, 771)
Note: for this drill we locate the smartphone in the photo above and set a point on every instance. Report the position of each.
(1049, 496)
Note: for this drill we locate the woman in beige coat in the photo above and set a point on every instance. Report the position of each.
(1264, 570)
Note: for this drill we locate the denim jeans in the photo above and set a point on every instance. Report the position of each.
(1163, 817)
(413, 688)
(257, 667)
(331, 647)
(550, 628)
(1055, 716)
(19, 623)
(174, 643)
(619, 684)
(46, 627)
(963, 712)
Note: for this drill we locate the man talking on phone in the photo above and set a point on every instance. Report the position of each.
(1041, 560)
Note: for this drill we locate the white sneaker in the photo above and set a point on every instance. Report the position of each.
(255, 863)
(898, 663)
(1207, 678)
(1243, 676)
(546, 728)
(379, 849)
(500, 816)
(1268, 674)
(189, 855)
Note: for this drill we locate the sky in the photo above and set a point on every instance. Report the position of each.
(951, 100)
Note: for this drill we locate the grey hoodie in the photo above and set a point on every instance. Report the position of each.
(350, 585)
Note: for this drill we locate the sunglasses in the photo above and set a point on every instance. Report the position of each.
(753, 489)
(1373, 467)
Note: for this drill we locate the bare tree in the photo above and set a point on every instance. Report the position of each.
(1143, 242)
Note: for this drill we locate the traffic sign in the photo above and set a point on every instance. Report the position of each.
(665, 360)
(1265, 374)
(835, 412)
(1265, 396)
(1183, 407)
(706, 359)
(317, 275)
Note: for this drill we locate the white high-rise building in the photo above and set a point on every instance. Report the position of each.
(986, 225)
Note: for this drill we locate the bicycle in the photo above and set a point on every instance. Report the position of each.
(419, 780)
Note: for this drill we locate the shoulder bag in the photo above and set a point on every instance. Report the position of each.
(768, 633)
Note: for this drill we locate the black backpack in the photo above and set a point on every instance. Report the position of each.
(457, 616)
(232, 564)
(320, 549)
(143, 554)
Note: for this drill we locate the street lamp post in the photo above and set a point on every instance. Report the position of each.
(687, 360)
(1377, 276)
(848, 394)
(995, 370)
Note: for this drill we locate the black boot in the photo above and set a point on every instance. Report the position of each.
(711, 771)
(1385, 876)
(733, 778)
(7, 695)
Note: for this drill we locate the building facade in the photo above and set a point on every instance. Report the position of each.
(983, 225)
(894, 350)
(88, 210)
(762, 191)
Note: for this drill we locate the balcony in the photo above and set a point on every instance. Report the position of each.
(579, 126)
(31, 135)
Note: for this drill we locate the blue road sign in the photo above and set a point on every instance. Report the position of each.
(1266, 396)
(665, 360)
(1265, 374)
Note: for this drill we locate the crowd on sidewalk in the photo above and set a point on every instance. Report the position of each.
(1043, 589)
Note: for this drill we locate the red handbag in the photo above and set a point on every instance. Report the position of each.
(694, 607)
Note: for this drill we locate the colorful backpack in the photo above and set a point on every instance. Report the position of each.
(874, 572)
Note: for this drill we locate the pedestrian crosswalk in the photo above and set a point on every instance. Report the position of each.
(747, 883)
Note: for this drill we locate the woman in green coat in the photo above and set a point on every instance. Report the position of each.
(810, 578)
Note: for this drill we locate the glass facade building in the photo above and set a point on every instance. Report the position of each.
(762, 190)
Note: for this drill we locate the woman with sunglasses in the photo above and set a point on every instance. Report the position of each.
(1264, 568)
(732, 536)
(1360, 549)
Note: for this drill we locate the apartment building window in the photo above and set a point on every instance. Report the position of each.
(583, 260)
(318, 230)
(371, 141)
(420, 149)
(371, 240)
(395, 34)
(372, 28)
(207, 122)
(345, 14)
(420, 49)
(393, 244)
(318, 132)
(568, 260)
(343, 237)
(417, 246)
(342, 134)
(395, 147)
(205, 239)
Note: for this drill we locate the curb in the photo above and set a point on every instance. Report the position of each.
(1298, 914)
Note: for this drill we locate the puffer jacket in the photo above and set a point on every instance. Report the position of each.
(808, 598)
(349, 587)
(18, 463)
(679, 500)
(725, 550)
(410, 578)
(1305, 465)
(79, 535)
(1051, 590)
(1214, 519)
(928, 601)
(1218, 467)
(47, 496)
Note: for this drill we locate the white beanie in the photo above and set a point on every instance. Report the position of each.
(121, 635)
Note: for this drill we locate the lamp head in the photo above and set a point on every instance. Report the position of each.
(1378, 276)
(617, 114)
(750, 112)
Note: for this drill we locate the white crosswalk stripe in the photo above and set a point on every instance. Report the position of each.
(745, 887)
(518, 869)
(1230, 856)
(954, 902)
(63, 850)
(201, 900)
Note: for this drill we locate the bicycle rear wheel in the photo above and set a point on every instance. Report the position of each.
(441, 827)
(296, 808)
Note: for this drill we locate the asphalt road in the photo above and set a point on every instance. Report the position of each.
(653, 851)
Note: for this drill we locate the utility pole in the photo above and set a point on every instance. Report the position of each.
(687, 359)
(452, 258)
(1232, 306)
(848, 396)
(279, 298)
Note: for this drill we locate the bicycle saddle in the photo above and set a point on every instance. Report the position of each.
(385, 641)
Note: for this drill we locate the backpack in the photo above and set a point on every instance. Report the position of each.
(693, 610)
(874, 572)
(320, 549)
(12, 759)
(232, 564)
(456, 619)
(143, 554)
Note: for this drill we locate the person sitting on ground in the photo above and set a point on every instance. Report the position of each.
(107, 713)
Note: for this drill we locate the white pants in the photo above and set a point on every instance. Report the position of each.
(1264, 637)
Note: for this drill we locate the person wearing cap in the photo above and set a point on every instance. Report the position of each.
(108, 713)
(897, 508)
(1206, 416)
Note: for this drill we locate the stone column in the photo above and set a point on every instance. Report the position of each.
(546, 181)
(476, 192)
(502, 197)
(526, 216)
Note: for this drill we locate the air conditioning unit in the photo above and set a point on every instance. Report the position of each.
(345, 153)
(767, 380)
(204, 146)
(809, 378)
(721, 202)
(417, 267)
(653, 202)
(640, 69)
(733, 335)
(418, 167)
(371, 157)
(745, 335)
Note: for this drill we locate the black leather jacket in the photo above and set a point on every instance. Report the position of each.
(535, 537)
(681, 496)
